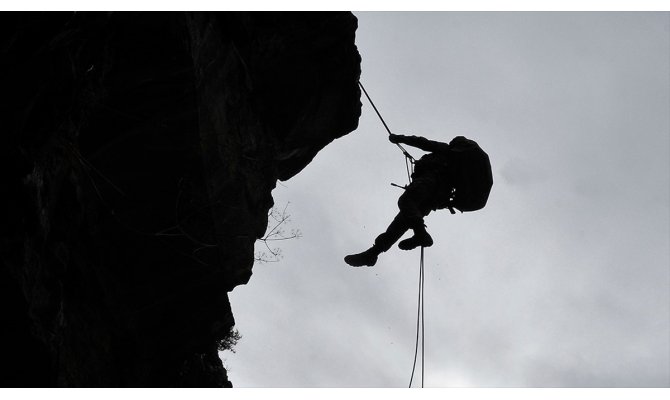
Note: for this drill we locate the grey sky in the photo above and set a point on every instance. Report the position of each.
(562, 280)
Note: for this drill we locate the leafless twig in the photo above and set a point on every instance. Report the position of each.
(276, 233)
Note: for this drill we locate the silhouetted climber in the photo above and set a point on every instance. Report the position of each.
(455, 175)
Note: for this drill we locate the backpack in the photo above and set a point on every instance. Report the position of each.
(469, 175)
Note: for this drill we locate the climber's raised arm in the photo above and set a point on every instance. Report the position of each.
(420, 143)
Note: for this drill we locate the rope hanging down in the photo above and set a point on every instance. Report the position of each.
(409, 165)
(419, 317)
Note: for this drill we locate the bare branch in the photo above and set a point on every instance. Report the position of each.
(276, 233)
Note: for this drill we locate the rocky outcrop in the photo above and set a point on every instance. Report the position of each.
(140, 152)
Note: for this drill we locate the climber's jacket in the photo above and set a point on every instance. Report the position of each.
(460, 169)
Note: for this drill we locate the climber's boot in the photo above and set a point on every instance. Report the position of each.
(368, 257)
(420, 238)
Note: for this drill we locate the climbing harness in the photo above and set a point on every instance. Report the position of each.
(409, 166)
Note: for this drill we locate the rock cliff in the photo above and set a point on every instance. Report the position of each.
(140, 151)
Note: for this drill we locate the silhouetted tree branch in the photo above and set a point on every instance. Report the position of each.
(276, 232)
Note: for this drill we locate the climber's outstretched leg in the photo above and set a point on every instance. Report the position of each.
(414, 204)
(395, 230)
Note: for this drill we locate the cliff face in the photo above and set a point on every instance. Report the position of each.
(140, 152)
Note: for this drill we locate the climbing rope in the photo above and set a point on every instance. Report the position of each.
(407, 155)
(409, 166)
(419, 324)
(409, 160)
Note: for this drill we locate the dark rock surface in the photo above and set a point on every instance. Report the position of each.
(139, 153)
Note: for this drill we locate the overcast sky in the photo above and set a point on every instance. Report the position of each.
(562, 280)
